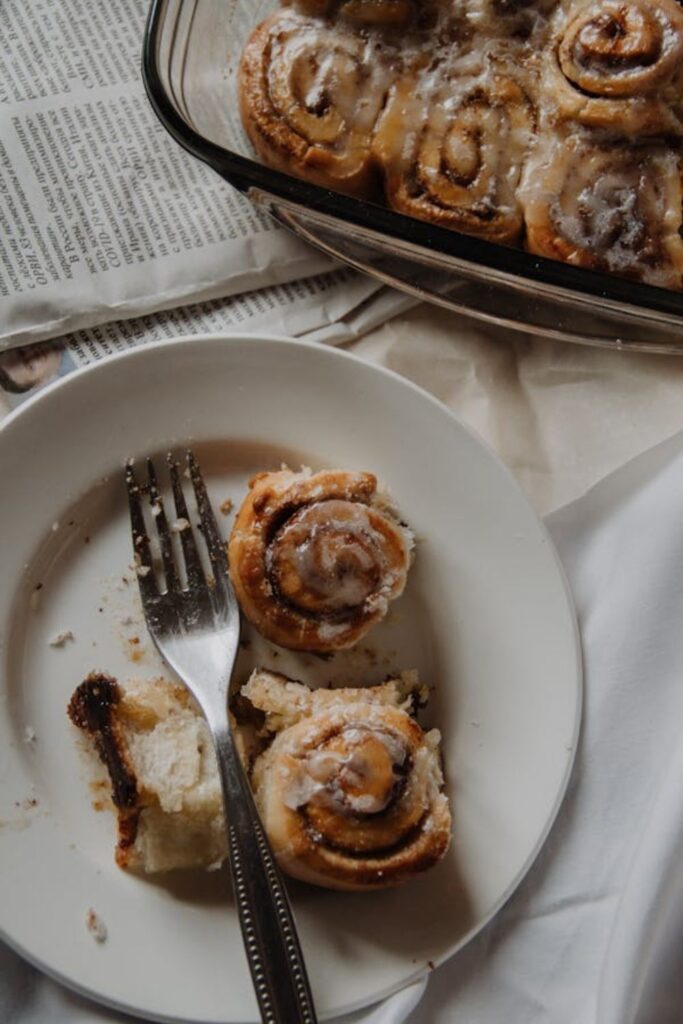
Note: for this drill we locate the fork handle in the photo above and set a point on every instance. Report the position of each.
(270, 939)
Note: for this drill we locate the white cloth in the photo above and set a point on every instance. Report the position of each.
(594, 935)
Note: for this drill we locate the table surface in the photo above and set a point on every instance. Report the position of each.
(561, 416)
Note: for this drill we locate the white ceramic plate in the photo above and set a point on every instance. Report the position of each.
(486, 618)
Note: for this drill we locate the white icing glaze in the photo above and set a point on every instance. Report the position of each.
(626, 55)
(323, 771)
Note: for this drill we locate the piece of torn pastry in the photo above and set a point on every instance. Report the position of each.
(159, 756)
(315, 558)
(350, 790)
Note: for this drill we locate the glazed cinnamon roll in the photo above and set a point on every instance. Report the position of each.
(310, 95)
(460, 163)
(609, 207)
(616, 64)
(315, 559)
(350, 791)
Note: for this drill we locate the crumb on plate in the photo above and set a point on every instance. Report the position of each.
(60, 639)
(95, 925)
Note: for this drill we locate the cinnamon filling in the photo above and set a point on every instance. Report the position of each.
(91, 709)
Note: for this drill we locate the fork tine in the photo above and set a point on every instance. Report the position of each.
(195, 573)
(214, 543)
(170, 570)
(144, 571)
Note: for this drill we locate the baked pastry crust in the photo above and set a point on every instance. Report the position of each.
(309, 96)
(472, 91)
(315, 558)
(462, 162)
(350, 790)
(617, 65)
(595, 205)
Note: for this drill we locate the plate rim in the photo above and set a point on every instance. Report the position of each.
(24, 410)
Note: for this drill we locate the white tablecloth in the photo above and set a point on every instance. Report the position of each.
(595, 933)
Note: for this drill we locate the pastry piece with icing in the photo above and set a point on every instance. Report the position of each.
(310, 94)
(617, 65)
(608, 207)
(315, 558)
(459, 164)
(350, 790)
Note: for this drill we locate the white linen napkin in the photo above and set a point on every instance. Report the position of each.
(594, 935)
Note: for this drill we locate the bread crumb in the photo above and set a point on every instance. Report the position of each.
(178, 525)
(95, 925)
(226, 506)
(136, 565)
(60, 639)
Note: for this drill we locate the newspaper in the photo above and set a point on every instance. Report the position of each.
(334, 308)
(102, 215)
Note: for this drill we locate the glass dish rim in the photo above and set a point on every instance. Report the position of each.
(516, 266)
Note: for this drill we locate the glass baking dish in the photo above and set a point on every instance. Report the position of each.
(191, 55)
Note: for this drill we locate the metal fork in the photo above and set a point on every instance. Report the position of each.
(195, 624)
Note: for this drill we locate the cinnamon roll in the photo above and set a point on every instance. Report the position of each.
(460, 163)
(616, 64)
(310, 94)
(315, 559)
(350, 790)
(609, 207)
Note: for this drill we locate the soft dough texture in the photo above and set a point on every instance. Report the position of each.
(350, 790)
(162, 769)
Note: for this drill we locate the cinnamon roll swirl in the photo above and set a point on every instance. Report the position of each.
(310, 94)
(607, 207)
(616, 64)
(460, 163)
(315, 559)
(350, 790)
